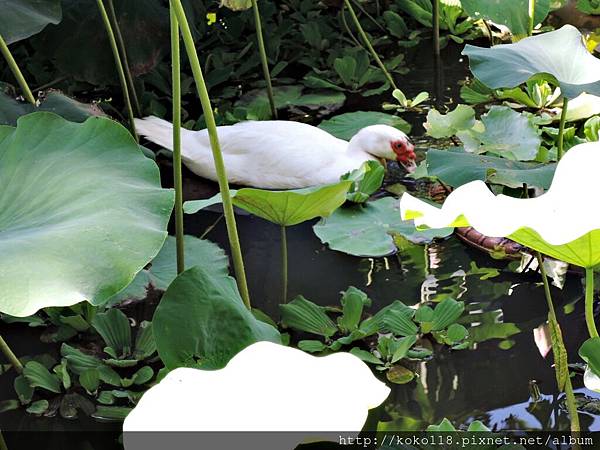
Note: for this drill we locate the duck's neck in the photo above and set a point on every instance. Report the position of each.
(362, 145)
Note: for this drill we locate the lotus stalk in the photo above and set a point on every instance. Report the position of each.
(558, 348)
(234, 241)
(436, 28)
(589, 303)
(284, 265)
(12, 358)
(14, 68)
(367, 42)
(177, 175)
(123, 50)
(531, 17)
(120, 70)
(263, 57)
(561, 129)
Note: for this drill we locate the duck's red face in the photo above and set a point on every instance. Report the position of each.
(405, 154)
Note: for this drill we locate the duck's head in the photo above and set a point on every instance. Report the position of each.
(384, 141)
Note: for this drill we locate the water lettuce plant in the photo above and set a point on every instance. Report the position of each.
(276, 388)
(399, 331)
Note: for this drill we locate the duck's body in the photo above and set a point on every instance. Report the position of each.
(274, 154)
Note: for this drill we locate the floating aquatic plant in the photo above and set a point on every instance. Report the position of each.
(275, 388)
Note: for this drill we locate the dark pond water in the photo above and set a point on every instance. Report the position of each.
(497, 382)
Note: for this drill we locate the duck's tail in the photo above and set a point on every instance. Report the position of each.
(156, 130)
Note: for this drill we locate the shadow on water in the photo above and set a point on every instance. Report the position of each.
(503, 381)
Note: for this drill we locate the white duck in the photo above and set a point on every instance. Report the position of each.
(277, 154)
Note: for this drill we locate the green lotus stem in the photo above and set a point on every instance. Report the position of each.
(234, 241)
(436, 28)
(177, 176)
(119, 64)
(121, 44)
(561, 128)
(531, 16)
(569, 394)
(369, 16)
(367, 42)
(14, 361)
(349, 31)
(284, 264)
(263, 57)
(14, 68)
(589, 303)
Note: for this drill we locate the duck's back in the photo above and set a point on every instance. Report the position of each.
(272, 154)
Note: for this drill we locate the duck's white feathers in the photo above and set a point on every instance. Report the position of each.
(272, 154)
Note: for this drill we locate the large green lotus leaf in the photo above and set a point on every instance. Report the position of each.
(512, 13)
(282, 207)
(559, 55)
(347, 125)
(506, 133)
(23, 18)
(456, 167)
(562, 223)
(79, 45)
(201, 321)
(56, 102)
(368, 230)
(294, 206)
(81, 212)
(163, 269)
